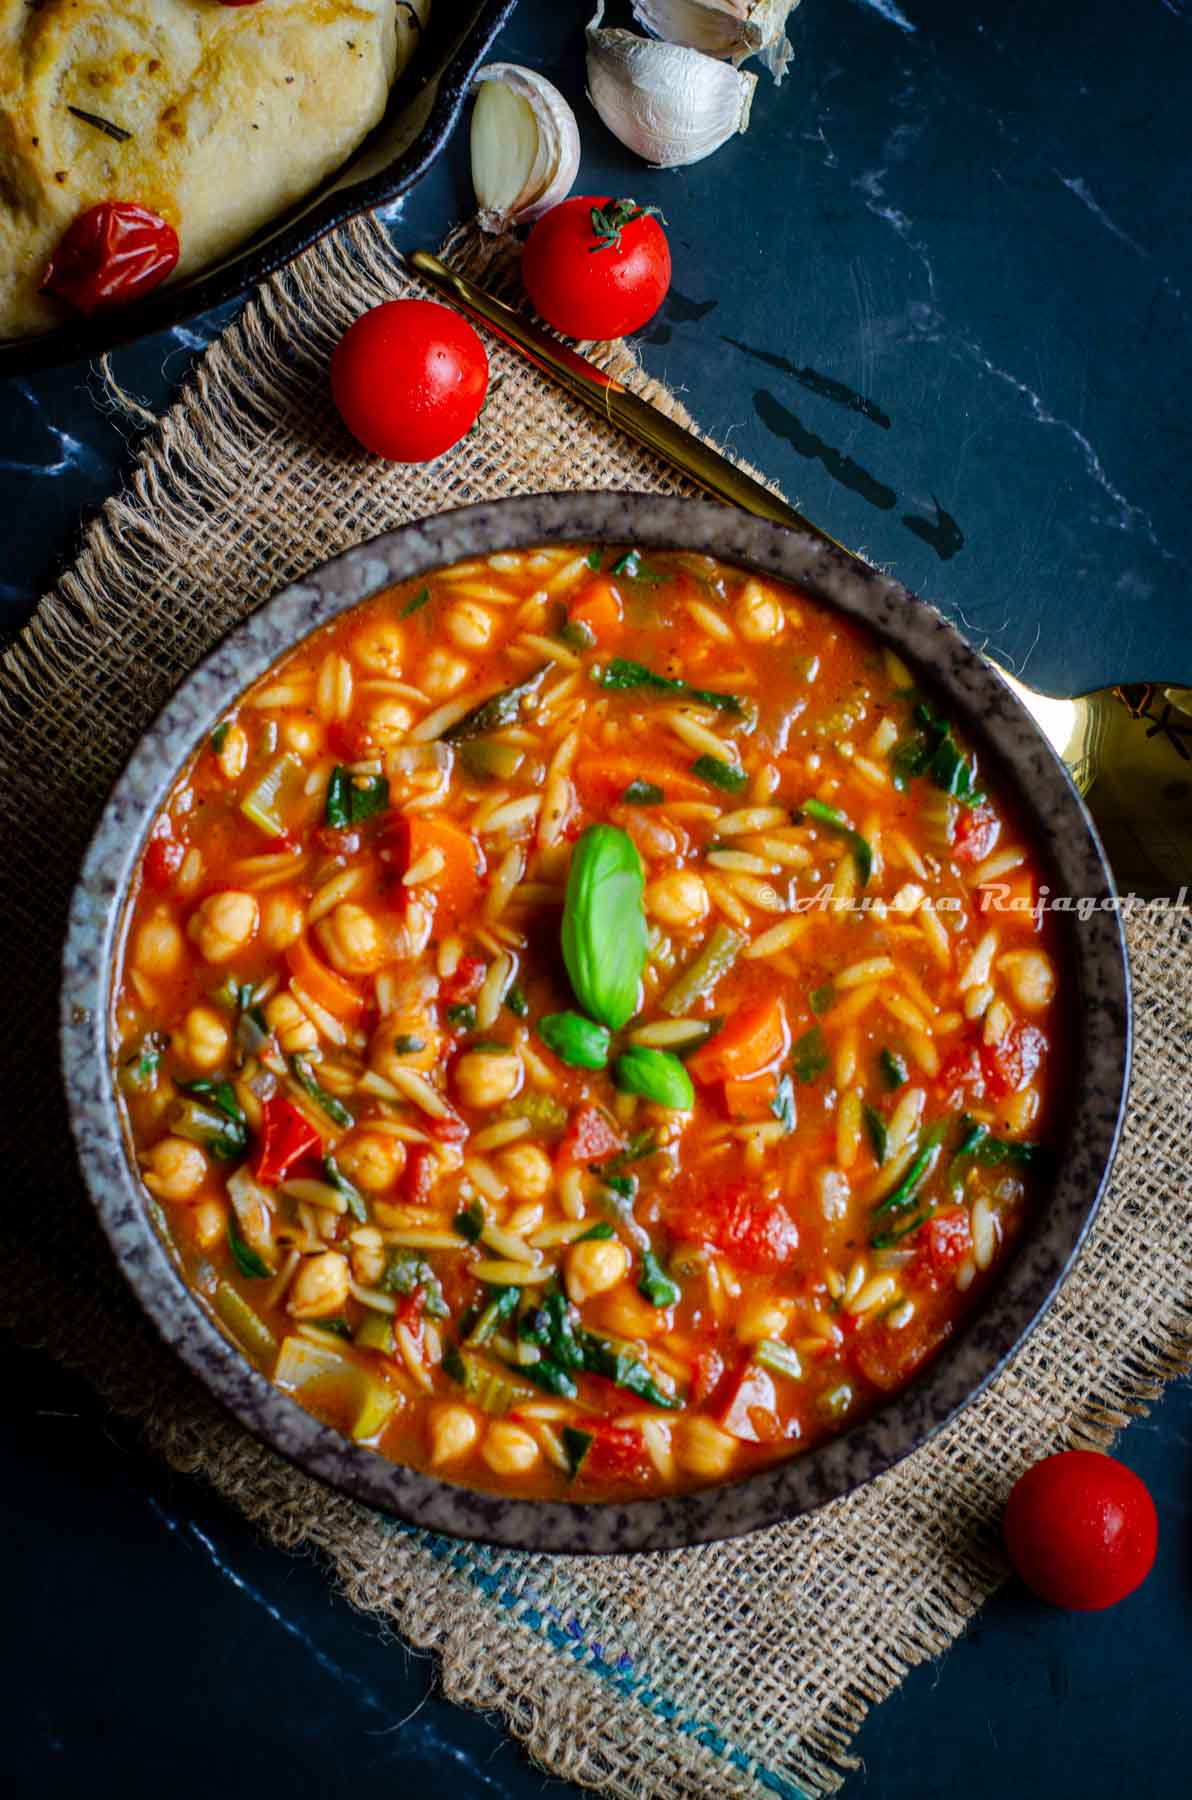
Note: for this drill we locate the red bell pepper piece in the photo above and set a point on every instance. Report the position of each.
(287, 1138)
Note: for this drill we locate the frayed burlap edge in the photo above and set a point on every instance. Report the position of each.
(245, 482)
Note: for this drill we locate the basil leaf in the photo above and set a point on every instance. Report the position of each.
(575, 1040)
(594, 558)
(631, 564)
(353, 798)
(576, 1444)
(643, 793)
(655, 1284)
(724, 775)
(656, 1075)
(810, 1057)
(835, 820)
(245, 1258)
(604, 924)
(499, 710)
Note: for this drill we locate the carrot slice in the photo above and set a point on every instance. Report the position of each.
(600, 783)
(750, 1100)
(753, 1038)
(335, 995)
(456, 884)
(598, 607)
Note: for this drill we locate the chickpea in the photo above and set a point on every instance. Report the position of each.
(764, 1316)
(626, 1313)
(208, 1222)
(1031, 977)
(509, 1449)
(453, 1430)
(442, 674)
(678, 900)
(224, 924)
(282, 919)
(388, 721)
(320, 1288)
(295, 1032)
(371, 1159)
(204, 1039)
(703, 1449)
(394, 1040)
(485, 1078)
(526, 1171)
(469, 626)
(304, 736)
(175, 1169)
(594, 1268)
(158, 947)
(758, 614)
(377, 647)
(368, 1255)
(351, 939)
(233, 753)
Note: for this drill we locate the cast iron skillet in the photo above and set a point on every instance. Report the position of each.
(969, 690)
(419, 119)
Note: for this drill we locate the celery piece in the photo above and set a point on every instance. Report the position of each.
(698, 979)
(261, 805)
(249, 1330)
(375, 1332)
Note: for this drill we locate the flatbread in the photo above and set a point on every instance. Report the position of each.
(235, 112)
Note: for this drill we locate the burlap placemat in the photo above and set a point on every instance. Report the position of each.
(718, 1671)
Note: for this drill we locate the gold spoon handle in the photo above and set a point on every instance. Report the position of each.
(606, 396)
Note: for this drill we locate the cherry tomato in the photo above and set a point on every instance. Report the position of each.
(112, 253)
(1010, 1064)
(409, 379)
(756, 1232)
(1081, 1530)
(597, 268)
(287, 1138)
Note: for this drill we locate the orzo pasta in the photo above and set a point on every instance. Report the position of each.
(562, 1030)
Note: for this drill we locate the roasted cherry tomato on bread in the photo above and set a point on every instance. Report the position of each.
(597, 268)
(1081, 1530)
(112, 253)
(409, 379)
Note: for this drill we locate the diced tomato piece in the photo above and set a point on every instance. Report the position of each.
(335, 840)
(707, 1369)
(617, 1453)
(756, 1232)
(447, 1131)
(1009, 1065)
(888, 1358)
(287, 1139)
(977, 831)
(456, 882)
(752, 1100)
(751, 1400)
(163, 859)
(409, 1314)
(943, 1243)
(466, 982)
(419, 1175)
(600, 783)
(755, 1037)
(962, 1075)
(590, 1135)
(598, 606)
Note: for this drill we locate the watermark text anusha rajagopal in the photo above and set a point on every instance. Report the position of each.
(999, 897)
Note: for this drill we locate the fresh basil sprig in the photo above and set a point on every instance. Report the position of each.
(604, 924)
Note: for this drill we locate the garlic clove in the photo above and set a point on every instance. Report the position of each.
(524, 146)
(731, 29)
(669, 104)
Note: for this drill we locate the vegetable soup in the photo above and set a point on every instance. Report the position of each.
(565, 1028)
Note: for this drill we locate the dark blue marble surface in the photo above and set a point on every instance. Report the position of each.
(942, 292)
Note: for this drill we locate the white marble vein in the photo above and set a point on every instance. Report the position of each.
(885, 9)
(1077, 185)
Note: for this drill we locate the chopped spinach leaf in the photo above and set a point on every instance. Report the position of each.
(810, 1056)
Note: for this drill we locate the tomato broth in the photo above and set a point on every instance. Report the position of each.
(564, 1029)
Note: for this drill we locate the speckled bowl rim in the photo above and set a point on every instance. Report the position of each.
(990, 714)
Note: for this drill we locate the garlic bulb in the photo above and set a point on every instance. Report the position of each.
(664, 101)
(525, 146)
(733, 29)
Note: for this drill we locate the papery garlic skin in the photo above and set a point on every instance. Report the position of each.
(525, 146)
(730, 29)
(669, 104)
